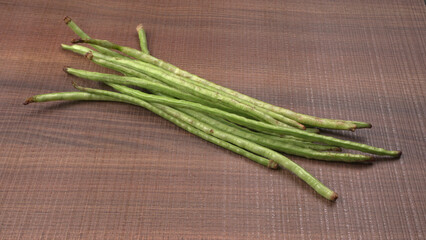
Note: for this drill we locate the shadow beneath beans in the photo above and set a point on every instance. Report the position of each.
(385, 158)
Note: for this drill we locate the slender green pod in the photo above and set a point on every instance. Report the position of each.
(142, 39)
(255, 148)
(146, 80)
(84, 96)
(286, 139)
(268, 116)
(256, 125)
(259, 126)
(243, 143)
(70, 96)
(77, 30)
(132, 68)
(138, 82)
(278, 146)
(184, 104)
(129, 67)
(301, 118)
(174, 81)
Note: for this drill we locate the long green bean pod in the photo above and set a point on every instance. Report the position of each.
(84, 96)
(258, 149)
(131, 68)
(77, 30)
(268, 116)
(256, 125)
(138, 82)
(285, 138)
(67, 96)
(243, 143)
(170, 79)
(186, 104)
(142, 39)
(278, 146)
(301, 118)
(146, 80)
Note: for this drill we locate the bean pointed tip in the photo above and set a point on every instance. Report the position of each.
(67, 19)
(65, 68)
(28, 101)
(139, 27)
(398, 154)
(272, 164)
(77, 40)
(334, 196)
(369, 160)
(89, 55)
(337, 149)
(74, 84)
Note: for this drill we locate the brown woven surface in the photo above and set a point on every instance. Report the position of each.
(110, 171)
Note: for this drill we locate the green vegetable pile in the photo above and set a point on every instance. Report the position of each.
(239, 123)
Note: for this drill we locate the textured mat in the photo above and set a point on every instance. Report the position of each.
(112, 171)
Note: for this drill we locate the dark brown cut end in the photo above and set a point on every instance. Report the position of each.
(334, 196)
(74, 84)
(399, 154)
(89, 55)
(139, 27)
(28, 101)
(370, 160)
(272, 164)
(337, 149)
(369, 126)
(67, 19)
(65, 69)
(77, 40)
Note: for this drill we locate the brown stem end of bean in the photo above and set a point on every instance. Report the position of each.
(28, 101)
(67, 19)
(139, 27)
(272, 164)
(77, 40)
(65, 69)
(337, 149)
(89, 55)
(334, 196)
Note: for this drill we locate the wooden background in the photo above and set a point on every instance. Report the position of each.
(112, 171)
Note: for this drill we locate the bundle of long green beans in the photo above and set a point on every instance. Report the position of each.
(242, 124)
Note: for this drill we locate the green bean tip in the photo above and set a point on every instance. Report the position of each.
(334, 196)
(89, 55)
(77, 40)
(337, 149)
(139, 27)
(65, 69)
(28, 101)
(67, 19)
(272, 164)
(398, 154)
(75, 85)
